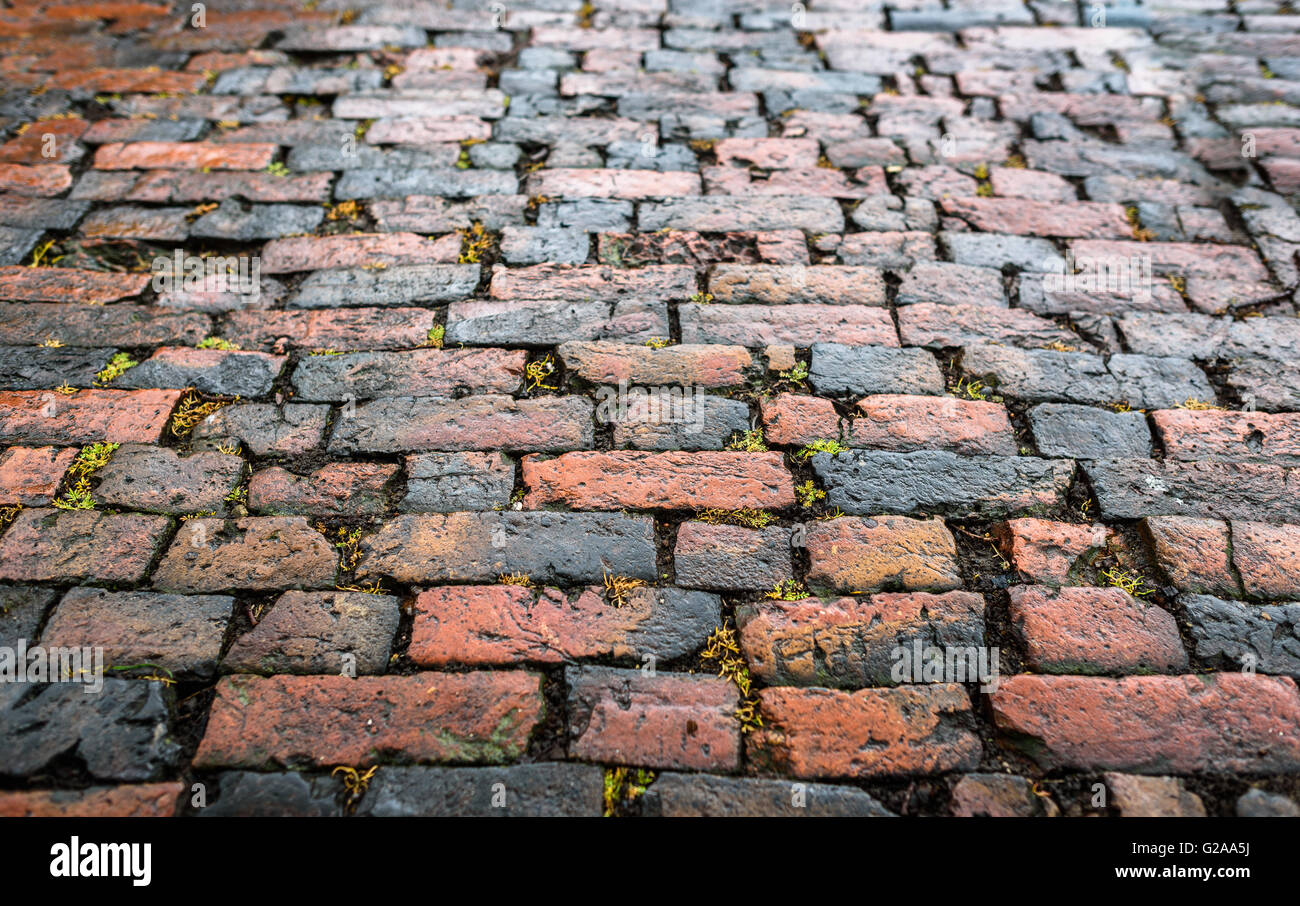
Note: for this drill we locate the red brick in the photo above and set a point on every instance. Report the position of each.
(144, 800)
(1032, 184)
(868, 733)
(1024, 217)
(904, 423)
(852, 554)
(668, 281)
(627, 479)
(848, 642)
(309, 253)
(662, 720)
(1212, 434)
(323, 721)
(610, 363)
(940, 325)
(254, 553)
(67, 284)
(41, 180)
(335, 489)
(1188, 259)
(999, 796)
(1094, 630)
(779, 284)
(1193, 553)
(179, 186)
(71, 546)
(1221, 723)
(788, 325)
(792, 419)
(122, 81)
(768, 153)
(585, 183)
(87, 416)
(31, 475)
(183, 156)
(1268, 558)
(29, 147)
(1046, 551)
(481, 422)
(428, 130)
(731, 557)
(342, 330)
(508, 624)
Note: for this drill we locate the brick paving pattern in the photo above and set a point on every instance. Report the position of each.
(550, 407)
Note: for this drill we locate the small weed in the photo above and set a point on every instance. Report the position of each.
(192, 410)
(723, 650)
(66, 389)
(701, 298)
(315, 352)
(970, 389)
(748, 518)
(9, 513)
(833, 447)
(348, 543)
(1014, 162)
(536, 373)
(657, 342)
(749, 442)
(115, 368)
(808, 494)
(38, 256)
(344, 210)
(1127, 580)
(437, 333)
(52, 343)
(474, 243)
(787, 590)
(1198, 405)
(1140, 233)
(624, 786)
(354, 782)
(515, 579)
(796, 375)
(374, 588)
(90, 460)
(218, 343)
(617, 588)
(275, 168)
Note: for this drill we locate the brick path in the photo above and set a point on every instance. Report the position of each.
(639, 394)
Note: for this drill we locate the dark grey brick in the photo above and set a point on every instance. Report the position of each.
(1084, 432)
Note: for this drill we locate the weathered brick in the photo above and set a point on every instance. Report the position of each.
(567, 548)
(253, 553)
(30, 476)
(544, 790)
(939, 326)
(183, 156)
(123, 732)
(335, 489)
(1260, 436)
(1267, 557)
(865, 734)
(861, 370)
(793, 419)
(48, 545)
(216, 371)
(1234, 635)
(888, 552)
(387, 286)
(487, 422)
(1026, 217)
(447, 482)
(264, 428)
(718, 213)
(1220, 723)
(342, 330)
(849, 643)
(732, 558)
(795, 324)
(707, 796)
(1152, 797)
(22, 611)
(309, 253)
(665, 720)
(160, 480)
(68, 284)
(507, 624)
(179, 633)
(1086, 432)
(419, 372)
(88, 416)
(668, 281)
(904, 423)
(548, 322)
(326, 632)
(567, 183)
(98, 325)
(781, 284)
(297, 721)
(42, 180)
(861, 482)
(1046, 551)
(623, 479)
(138, 800)
(1194, 553)
(610, 363)
(1132, 488)
(999, 796)
(1094, 630)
